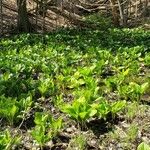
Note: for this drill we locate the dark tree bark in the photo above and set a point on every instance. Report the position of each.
(23, 23)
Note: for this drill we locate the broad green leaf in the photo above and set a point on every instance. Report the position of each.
(13, 110)
(92, 112)
(40, 118)
(83, 115)
(117, 106)
(144, 87)
(143, 146)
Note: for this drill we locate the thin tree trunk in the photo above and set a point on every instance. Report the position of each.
(115, 13)
(136, 9)
(1, 17)
(121, 12)
(23, 23)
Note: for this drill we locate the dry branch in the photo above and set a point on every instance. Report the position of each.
(73, 18)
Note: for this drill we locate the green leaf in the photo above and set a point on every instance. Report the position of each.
(144, 87)
(83, 115)
(92, 112)
(103, 110)
(143, 146)
(117, 106)
(40, 118)
(38, 133)
(13, 110)
(126, 72)
(56, 124)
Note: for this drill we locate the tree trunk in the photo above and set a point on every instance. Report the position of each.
(121, 11)
(115, 13)
(23, 23)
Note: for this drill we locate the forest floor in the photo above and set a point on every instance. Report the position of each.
(76, 90)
